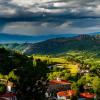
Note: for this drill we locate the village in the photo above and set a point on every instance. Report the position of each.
(58, 89)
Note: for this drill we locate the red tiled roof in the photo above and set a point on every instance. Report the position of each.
(2, 99)
(8, 95)
(88, 95)
(67, 93)
(59, 82)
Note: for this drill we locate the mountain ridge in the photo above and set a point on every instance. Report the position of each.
(58, 45)
(15, 38)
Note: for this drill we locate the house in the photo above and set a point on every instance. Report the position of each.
(66, 95)
(10, 86)
(56, 86)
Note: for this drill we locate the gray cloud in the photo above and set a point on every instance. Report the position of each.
(78, 26)
(56, 7)
(32, 17)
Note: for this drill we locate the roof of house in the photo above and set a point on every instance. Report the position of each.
(2, 98)
(59, 82)
(88, 95)
(67, 93)
(8, 95)
(10, 84)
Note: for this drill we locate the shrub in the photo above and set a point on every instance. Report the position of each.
(2, 88)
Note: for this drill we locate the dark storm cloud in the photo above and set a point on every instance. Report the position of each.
(49, 16)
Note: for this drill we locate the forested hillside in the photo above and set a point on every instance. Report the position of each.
(24, 72)
(59, 45)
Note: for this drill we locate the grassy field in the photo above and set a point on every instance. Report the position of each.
(71, 66)
(72, 60)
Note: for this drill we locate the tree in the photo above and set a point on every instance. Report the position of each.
(2, 88)
(96, 85)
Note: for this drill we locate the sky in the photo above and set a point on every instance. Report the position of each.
(48, 17)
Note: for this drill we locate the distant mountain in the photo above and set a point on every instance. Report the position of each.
(58, 45)
(13, 38)
(10, 38)
(95, 33)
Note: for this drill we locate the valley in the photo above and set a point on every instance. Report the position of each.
(76, 59)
